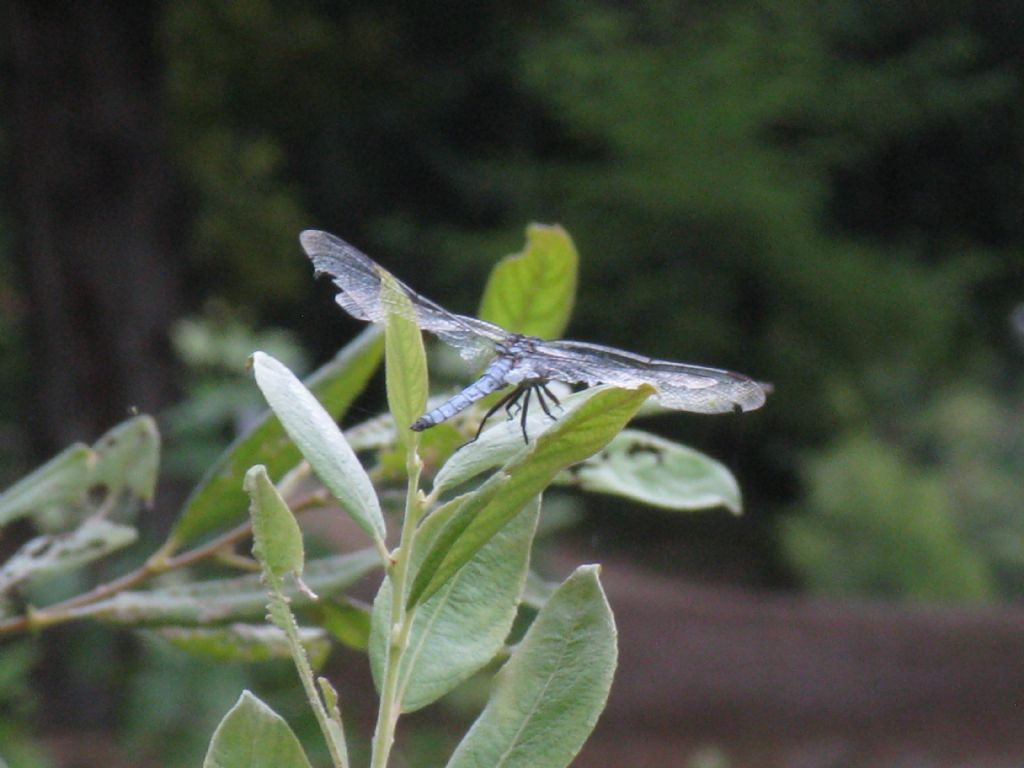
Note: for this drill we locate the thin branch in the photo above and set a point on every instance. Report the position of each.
(156, 565)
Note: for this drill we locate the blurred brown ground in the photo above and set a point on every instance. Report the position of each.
(776, 681)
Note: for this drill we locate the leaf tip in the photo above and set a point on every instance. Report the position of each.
(590, 570)
(252, 477)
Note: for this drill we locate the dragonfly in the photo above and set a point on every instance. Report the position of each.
(525, 363)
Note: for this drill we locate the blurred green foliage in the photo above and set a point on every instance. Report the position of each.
(222, 58)
(977, 443)
(819, 194)
(220, 400)
(162, 678)
(823, 195)
(18, 702)
(718, 142)
(881, 527)
(930, 511)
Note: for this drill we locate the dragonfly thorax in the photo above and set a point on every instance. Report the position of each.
(517, 345)
(514, 358)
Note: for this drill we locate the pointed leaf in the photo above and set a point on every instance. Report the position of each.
(335, 732)
(532, 292)
(464, 624)
(405, 360)
(218, 500)
(486, 511)
(252, 735)
(276, 538)
(244, 642)
(128, 462)
(313, 430)
(658, 472)
(549, 695)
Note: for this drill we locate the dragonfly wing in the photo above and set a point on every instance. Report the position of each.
(358, 278)
(678, 386)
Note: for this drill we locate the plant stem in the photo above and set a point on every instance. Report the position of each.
(401, 620)
(285, 620)
(154, 566)
(162, 561)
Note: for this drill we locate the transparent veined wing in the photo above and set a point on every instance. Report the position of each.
(679, 386)
(358, 278)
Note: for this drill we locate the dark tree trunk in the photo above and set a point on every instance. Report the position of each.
(92, 195)
(94, 216)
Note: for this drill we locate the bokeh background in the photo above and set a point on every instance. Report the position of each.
(824, 195)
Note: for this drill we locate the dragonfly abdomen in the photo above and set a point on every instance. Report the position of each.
(492, 380)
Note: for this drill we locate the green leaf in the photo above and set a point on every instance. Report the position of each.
(115, 477)
(216, 601)
(405, 360)
(276, 538)
(57, 553)
(244, 642)
(486, 511)
(335, 731)
(532, 292)
(218, 500)
(58, 482)
(252, 735)
(658, 472)
(321, 442)
(549, 695)
(499, 443)
(128, 463)
(464, 624)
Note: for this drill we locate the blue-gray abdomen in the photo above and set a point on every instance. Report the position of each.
(492, 380)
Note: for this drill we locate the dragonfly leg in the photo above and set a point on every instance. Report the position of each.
(544, 385)
(541, 390)
(526, 410)
(508, 401)
(514, 405)
(516, 400)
